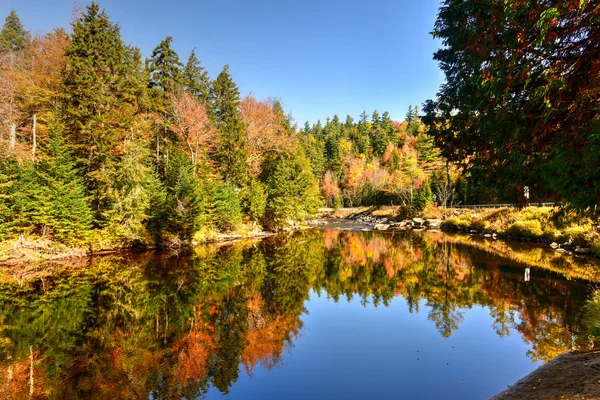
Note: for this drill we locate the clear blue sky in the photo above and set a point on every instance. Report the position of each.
(320, 57)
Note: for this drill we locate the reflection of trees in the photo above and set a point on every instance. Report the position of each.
(162, 327)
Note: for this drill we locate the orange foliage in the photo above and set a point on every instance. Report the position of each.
(193, 126)
(266, 132)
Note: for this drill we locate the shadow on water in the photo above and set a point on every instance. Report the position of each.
(140, 326)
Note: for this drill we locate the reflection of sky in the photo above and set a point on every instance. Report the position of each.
(347, 351)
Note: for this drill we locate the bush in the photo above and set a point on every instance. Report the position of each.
(525, 228)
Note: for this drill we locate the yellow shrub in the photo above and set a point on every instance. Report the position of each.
(525, 228)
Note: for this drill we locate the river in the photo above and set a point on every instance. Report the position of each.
(320, 314)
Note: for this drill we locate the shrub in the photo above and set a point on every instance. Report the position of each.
(525, 228)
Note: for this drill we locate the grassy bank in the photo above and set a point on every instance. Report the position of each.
(551, 224)
(32, 248)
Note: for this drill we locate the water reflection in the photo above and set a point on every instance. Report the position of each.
(173, 327)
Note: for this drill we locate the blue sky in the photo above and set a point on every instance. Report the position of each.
(320, 57)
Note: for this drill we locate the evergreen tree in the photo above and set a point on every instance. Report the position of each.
(379, 138)
(255, 200)
(13, 36)
(307, 129)
(136, 191)
(195, 77)
(226, 208)
(100, 89)
(184, 209)
(388, 128)
(230, 153)
(69, 215)
(165, 69)
(293, 190)
(49, 197)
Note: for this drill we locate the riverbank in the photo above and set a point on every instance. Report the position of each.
(29, 249)
(574, 375)
(562, 230)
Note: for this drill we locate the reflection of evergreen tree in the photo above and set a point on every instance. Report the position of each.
(172, 327)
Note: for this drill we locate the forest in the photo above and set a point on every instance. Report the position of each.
(106, 148)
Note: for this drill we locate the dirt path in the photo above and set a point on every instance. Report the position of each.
(569, 376)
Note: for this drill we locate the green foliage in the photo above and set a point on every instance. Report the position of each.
(513, 107)
(293, 191)
(255, 200)
(12, 36)
(184, 208)
(100, 86)
(195, 78)
(231, 153)
(592, 316)
(226, 208)
(165, 73)
(48, 198)
(135, 192)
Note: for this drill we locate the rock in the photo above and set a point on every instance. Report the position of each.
(494, 236)
(418, 221)
(473, 231)
(583, 250)
(561, 250)
(381, 227)
(488, 235)
(554, 245)
(433, 223)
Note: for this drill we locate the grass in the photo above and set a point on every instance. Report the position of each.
(551, 223)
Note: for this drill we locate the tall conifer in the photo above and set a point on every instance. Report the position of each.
(231, 153)
(13, 36)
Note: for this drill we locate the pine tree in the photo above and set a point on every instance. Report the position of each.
(195, 77)
(165, 70)
(379, 138)
(12, 37)
(100, 90)
(231, 153)
(69, 215)
(292, 188)
(49, 196)
(388, 128)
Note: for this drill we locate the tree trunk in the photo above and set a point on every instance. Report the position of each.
(34, 137)
(13, 135)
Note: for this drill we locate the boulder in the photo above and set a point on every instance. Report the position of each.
(583, 250)
(418, 221)
(554, 245)
(381, 227)
(433, 223)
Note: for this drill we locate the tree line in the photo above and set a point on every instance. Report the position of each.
(99, 142)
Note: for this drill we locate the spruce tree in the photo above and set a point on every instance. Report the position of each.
(165, 69)
(49, 196)
(230, 153)
(69, 215)
(13, 36)
(195, 78)
(379, 138)
(100, 89)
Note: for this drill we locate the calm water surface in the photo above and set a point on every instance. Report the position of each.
(319, 314)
